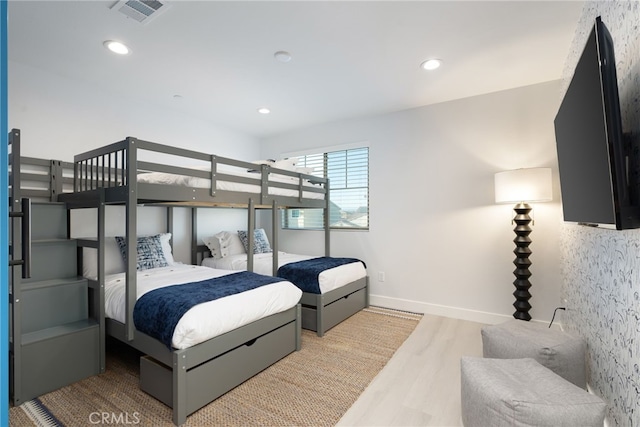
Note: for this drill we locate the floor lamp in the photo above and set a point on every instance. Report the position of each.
(521, 186)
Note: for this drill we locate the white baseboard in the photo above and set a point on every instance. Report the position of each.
(440, 310)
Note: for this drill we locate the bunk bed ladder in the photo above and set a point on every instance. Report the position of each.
(22, 245)
(53, 338)
(18, 267)
(20, 207)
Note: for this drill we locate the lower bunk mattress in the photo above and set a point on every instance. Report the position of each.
(208, 319)
(343, 288)
(328, 280)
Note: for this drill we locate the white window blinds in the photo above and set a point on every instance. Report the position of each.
(348, 173)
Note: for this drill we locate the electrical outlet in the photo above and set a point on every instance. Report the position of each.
(381, 276)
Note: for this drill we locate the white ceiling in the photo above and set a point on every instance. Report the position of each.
(350, 58)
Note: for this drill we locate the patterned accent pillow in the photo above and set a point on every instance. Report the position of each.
(260, 241)
(150, 252)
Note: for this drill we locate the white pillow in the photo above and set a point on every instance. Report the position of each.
(286, 164)
(269, 162)
(113, 258)
(307, 171)
(165, 239)
(224, 244)
(213, 244)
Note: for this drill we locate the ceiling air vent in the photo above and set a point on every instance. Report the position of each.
(143, 11)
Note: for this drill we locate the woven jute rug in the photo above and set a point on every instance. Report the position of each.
(312, 387)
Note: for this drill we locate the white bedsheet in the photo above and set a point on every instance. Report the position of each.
(328, 280)
(210, 319)
(195, 182)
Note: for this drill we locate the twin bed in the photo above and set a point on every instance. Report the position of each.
(214, 344)
(191, 368)
(339, 291)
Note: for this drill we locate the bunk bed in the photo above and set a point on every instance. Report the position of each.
(133, 172)
(336, 293)
(187, 378)
(204, 180)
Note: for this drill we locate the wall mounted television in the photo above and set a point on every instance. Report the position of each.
(597, 172)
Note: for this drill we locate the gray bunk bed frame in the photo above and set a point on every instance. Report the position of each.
(186, 379)
(113, 169)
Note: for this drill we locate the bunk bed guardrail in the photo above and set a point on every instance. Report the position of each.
(120, 163)
(38, 179)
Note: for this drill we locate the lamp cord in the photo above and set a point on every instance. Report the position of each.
(554, 314)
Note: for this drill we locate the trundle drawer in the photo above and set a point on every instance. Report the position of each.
(212, 379)
(346, 306)
(335, 312)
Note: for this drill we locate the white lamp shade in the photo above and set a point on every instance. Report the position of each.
(523, 185)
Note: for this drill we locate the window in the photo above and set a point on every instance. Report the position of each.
(348, 173)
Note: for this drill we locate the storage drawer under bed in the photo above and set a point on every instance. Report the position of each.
(220, 374)
(334, 312)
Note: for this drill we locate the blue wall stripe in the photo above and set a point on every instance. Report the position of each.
(4, 222)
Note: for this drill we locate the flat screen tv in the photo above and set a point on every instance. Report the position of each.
(593, 151)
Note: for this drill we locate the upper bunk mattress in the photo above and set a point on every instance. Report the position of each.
(196, 182)
(262, 264)
(207, 320)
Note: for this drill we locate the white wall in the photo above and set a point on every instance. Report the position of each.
(59, 118)
(435, 232)
(152, 220)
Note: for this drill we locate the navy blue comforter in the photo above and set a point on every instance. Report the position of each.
(304, 274)
(157, 312)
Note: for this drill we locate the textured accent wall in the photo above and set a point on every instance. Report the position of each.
(601, 268)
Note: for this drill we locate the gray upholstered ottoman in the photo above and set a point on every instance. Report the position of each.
(557, 350)
(522, 392)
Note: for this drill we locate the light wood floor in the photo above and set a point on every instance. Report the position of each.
(420, 386)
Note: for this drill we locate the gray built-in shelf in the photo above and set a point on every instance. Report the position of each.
(54, 341)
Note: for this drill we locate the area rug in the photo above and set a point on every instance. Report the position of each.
(312, 387)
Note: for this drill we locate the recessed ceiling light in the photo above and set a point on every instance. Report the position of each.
(116, 47)
(282, 56)
(263, 110)
(431, 64)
